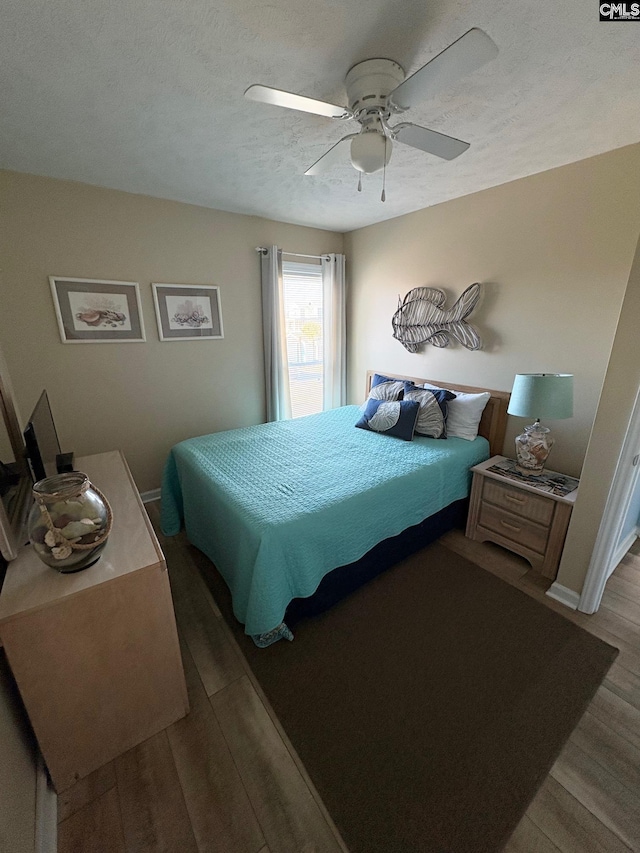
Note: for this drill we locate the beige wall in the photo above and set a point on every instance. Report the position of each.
(621, 385)
(554, 252)
(140, 397)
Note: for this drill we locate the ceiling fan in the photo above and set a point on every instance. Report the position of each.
(376, 90)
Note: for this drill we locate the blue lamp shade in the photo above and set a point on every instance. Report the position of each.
(542, 396)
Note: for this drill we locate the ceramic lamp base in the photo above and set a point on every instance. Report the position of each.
(533, 448)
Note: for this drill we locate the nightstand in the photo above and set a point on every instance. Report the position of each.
(525, 516)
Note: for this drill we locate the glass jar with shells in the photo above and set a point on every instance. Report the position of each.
(70, 521)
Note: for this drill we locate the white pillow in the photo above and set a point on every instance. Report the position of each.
(464, 413)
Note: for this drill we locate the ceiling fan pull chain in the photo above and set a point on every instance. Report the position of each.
(383, 197)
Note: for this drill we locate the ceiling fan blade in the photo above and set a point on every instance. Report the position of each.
(280, 98)
(330, 158)
(469, 52)
(430, 141)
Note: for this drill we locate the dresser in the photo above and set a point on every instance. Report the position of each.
(95, 654)
(522, 516)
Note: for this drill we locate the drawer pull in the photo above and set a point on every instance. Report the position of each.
(515, 499)
(510, 526)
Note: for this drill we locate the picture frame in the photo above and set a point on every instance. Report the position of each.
(91, 310)
(188, 312)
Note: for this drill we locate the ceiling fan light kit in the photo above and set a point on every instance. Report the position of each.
(376, 90)
(370, 151)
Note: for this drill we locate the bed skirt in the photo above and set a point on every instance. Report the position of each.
(344, 580)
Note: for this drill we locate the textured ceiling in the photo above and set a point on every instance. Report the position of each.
(147, 96)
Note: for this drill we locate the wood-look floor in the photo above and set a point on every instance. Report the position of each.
(225, 779)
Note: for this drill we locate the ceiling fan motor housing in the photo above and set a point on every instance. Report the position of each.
(369, 84)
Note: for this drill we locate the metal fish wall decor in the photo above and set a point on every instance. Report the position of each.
(421, 318)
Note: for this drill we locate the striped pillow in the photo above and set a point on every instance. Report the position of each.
(383, 388)
(432, 414)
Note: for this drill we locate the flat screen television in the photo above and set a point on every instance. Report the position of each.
(41, 440)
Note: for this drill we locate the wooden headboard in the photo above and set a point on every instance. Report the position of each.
(494, 418)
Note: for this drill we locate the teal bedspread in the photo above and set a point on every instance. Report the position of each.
(278, 505)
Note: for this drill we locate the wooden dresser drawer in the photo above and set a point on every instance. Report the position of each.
(515, 528)
(532, 507)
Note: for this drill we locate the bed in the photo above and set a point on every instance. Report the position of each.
(284, 508)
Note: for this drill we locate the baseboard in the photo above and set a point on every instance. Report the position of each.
(149, 497)
(564, 595)
(46, 812)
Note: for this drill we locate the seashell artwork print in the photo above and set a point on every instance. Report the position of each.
(107, 317)
(190, 313)
(98, 310)
(421, 318)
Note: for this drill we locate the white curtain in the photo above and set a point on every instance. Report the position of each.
(274, 331)
(335, 331)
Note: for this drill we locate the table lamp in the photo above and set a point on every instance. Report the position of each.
(539, 395)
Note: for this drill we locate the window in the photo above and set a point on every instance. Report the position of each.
(304, 329)
(304, 334)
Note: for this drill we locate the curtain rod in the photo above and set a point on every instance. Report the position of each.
(262, 251)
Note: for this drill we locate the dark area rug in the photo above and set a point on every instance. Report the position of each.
(429, 705)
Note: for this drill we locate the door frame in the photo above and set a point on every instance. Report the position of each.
(606, 556)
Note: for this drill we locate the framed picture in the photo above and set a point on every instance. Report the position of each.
(97, 311)
(188, 312)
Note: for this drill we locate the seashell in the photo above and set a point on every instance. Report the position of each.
(71, 507)
(50, 538)
(61, 552)
(75, 529)
(61, 520)
(87, 539)
(91, 318)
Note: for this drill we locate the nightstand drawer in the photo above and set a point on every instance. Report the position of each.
(532, 507)
(515, 528)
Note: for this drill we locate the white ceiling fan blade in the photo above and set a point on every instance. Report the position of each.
(280, 98)
(332, 157)
(430, 141)
(469, 52)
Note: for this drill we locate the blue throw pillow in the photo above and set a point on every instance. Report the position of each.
(383, 388)
(378, 378)
(432, 416)
(390, 417)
